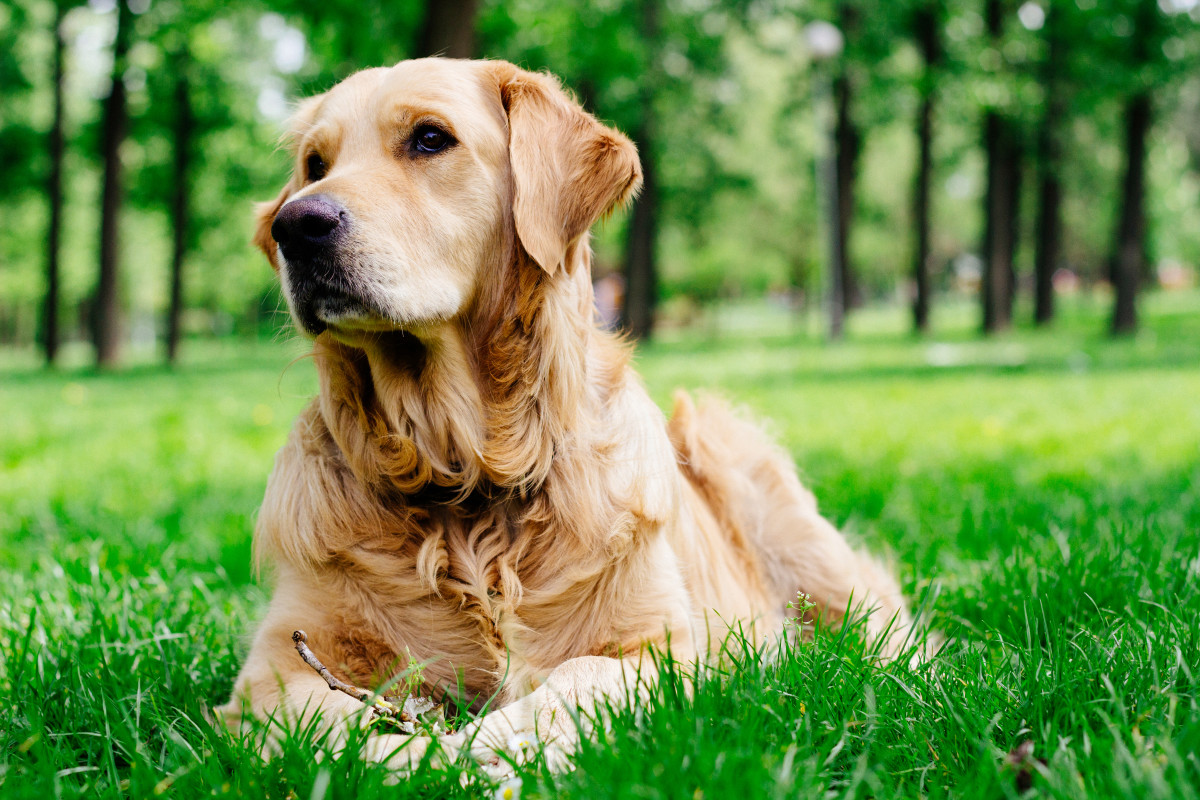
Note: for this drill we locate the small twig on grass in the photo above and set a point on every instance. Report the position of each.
(300, 639)
(404, 715)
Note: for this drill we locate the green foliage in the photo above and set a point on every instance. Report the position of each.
(729, 88)
(18, 128)
(1038, 493)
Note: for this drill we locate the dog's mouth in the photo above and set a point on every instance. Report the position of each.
(320, 304)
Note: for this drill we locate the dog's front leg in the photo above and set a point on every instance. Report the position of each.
(555, 714)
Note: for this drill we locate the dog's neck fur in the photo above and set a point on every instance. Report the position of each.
(478, 404)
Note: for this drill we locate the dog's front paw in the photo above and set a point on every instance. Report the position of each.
(404, 753)
(516, 734)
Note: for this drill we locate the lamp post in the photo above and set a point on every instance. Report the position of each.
(825, 43)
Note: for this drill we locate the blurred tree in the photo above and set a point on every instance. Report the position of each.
(1128, 261)
(20, 176)
(641, 263)
(182, 146)
(18, 133)
(1140, 54)
(107, 306)
(848, 144)
(448, 29)
(54, 193)
(1002, 145)
(1049, 158)
(169, 116)
(164, 122)
(716, 93)
(927, 21)
(661, 73)
(211, 95)
(867, 79)
(1129, 253)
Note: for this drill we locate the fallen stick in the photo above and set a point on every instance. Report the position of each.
(405, 715)
(300, 639)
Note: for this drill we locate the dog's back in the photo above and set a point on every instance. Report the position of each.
(771, 528)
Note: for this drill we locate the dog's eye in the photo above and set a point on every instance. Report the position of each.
(431, 139)
(316, 167)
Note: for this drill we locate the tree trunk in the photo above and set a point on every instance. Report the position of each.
(921, 214)
(1129, 259)
(1001, 202)
(1015, 175)
(50, 334)
(827, 179)
(179, 203)
(448, 29)
(1049, 242)
(848, 141)
(641, 238)
(641, 268)
(928, 40)
(1049, 220)
(1002, 210)
(1128, 262)
(107, 320)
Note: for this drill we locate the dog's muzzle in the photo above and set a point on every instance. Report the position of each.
(310, 233)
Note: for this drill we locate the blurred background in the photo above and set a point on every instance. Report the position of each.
(979, 163)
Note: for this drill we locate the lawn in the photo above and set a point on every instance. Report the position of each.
(1040, 492)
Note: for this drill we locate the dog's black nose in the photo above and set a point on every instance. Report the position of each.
(304, 227)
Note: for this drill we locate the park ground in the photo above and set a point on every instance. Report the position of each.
(1038, 492)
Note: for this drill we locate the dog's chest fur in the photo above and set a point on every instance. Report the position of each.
(485, 597)
(480, 606)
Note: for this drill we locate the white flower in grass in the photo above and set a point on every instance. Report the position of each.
(519, 743)
(509, 790)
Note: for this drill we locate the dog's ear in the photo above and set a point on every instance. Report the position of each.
(568, 170)
(264, 213)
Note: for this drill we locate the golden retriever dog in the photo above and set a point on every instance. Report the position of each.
(483, 485)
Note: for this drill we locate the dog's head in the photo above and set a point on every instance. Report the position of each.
(411, 185)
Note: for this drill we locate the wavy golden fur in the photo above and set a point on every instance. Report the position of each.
(483, 484)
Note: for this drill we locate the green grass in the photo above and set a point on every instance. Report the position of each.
(1042, 490)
